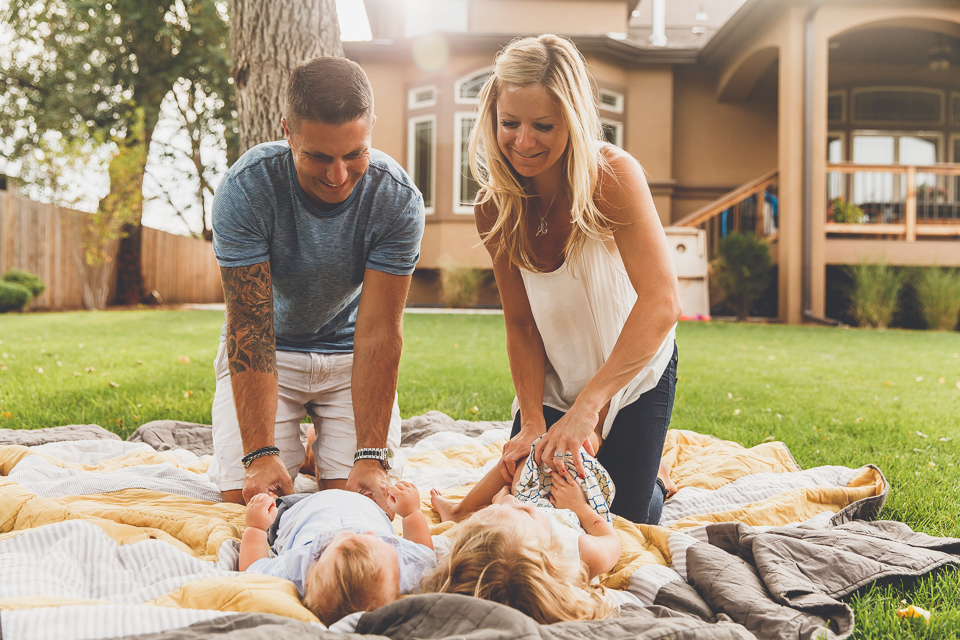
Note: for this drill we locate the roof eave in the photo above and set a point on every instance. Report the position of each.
(616, 49)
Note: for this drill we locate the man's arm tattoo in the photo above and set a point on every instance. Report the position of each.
(251, 343)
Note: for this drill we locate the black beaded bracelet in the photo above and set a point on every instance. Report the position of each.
(259, 453)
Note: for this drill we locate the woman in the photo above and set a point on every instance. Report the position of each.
(590, 296)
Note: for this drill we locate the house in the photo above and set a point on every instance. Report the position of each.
(831, 127)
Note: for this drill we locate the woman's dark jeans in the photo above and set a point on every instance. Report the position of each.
(631, 453)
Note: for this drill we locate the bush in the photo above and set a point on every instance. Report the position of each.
(743, 270)
(25, 279)
(846, 212)
(938, 296)
(13, 297)
(459, 285)
(875, 293)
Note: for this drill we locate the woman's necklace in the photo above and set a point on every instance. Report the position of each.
(542, 229)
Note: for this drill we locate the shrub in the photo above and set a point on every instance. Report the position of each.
(846, 212)
(875, 293)
(938, 295)
(13, 297)
(743, 270)
(459, 285)
(25, 279)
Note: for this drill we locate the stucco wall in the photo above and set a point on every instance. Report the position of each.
(718, 146)
(582, 17)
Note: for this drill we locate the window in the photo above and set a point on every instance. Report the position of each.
(421, 97)
(467, 89)
(836, 107)
(898, 106)
(421, 151)
(611, 101)
(465, 187)
(881, 147)
(955, 110)
(835, 181)
(612, 131)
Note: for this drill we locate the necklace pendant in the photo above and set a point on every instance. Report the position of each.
(542, 230)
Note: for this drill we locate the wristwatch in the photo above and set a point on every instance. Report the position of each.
(385, 456)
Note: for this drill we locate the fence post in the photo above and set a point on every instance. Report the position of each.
(911, 205)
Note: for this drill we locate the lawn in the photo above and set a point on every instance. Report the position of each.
(835, 396)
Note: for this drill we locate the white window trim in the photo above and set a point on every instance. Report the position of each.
(618, 126)
(411, 148)
(896, 134)
(462, 80)
(412, 100)
(618, 101)
(458, 141)
(843, 106)
(842, 135)
(859, 90)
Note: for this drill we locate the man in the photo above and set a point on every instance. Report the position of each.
(317, 238)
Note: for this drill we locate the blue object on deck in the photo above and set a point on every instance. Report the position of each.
(723, 221)
(772, 201)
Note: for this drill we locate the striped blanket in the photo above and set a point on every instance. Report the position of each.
(105, 538)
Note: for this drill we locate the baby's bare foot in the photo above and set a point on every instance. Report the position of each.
(664, 474)
(446, 507)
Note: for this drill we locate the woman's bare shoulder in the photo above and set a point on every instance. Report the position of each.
(485, 212)
(620, 181)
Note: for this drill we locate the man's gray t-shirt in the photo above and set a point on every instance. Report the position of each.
(317, 258)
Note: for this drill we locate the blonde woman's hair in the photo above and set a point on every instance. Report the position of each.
(497, 559)
(356, 583)
(554, 63)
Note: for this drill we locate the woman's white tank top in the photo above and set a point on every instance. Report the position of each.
(580, 313)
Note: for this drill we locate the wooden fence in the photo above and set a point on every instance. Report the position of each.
(44, 239)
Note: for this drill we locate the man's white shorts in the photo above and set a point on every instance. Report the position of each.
(314, 384)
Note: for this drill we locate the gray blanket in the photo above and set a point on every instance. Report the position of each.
(447, 617)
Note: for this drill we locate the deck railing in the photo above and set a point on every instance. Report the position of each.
(750, 207)
(899, 201)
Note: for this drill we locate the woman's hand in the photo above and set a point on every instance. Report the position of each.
(565, 438)
(516, 450)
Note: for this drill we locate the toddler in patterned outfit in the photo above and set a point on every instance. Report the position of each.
(537, 548)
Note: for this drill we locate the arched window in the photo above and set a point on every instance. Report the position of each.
(467, 89)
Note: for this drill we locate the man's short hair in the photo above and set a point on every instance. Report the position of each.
(329, 89)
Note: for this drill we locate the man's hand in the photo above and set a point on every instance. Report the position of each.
(261, 511)
(266, 474)
(404, 498)
(565, 492)
(369, 478)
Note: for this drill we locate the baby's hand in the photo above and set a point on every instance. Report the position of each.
(261, 511)
(404, 498)
(565, 493)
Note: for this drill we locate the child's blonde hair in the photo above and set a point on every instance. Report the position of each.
(356, 583)
(498, 559)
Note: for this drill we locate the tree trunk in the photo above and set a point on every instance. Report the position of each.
(267, 40)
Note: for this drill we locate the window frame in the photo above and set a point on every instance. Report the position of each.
(458, 142)
(412, 102)
(412, 123)
(618, 100)
(458, 85)
(618, 127)
(896, 123)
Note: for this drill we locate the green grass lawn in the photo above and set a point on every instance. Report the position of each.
(835, 396)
